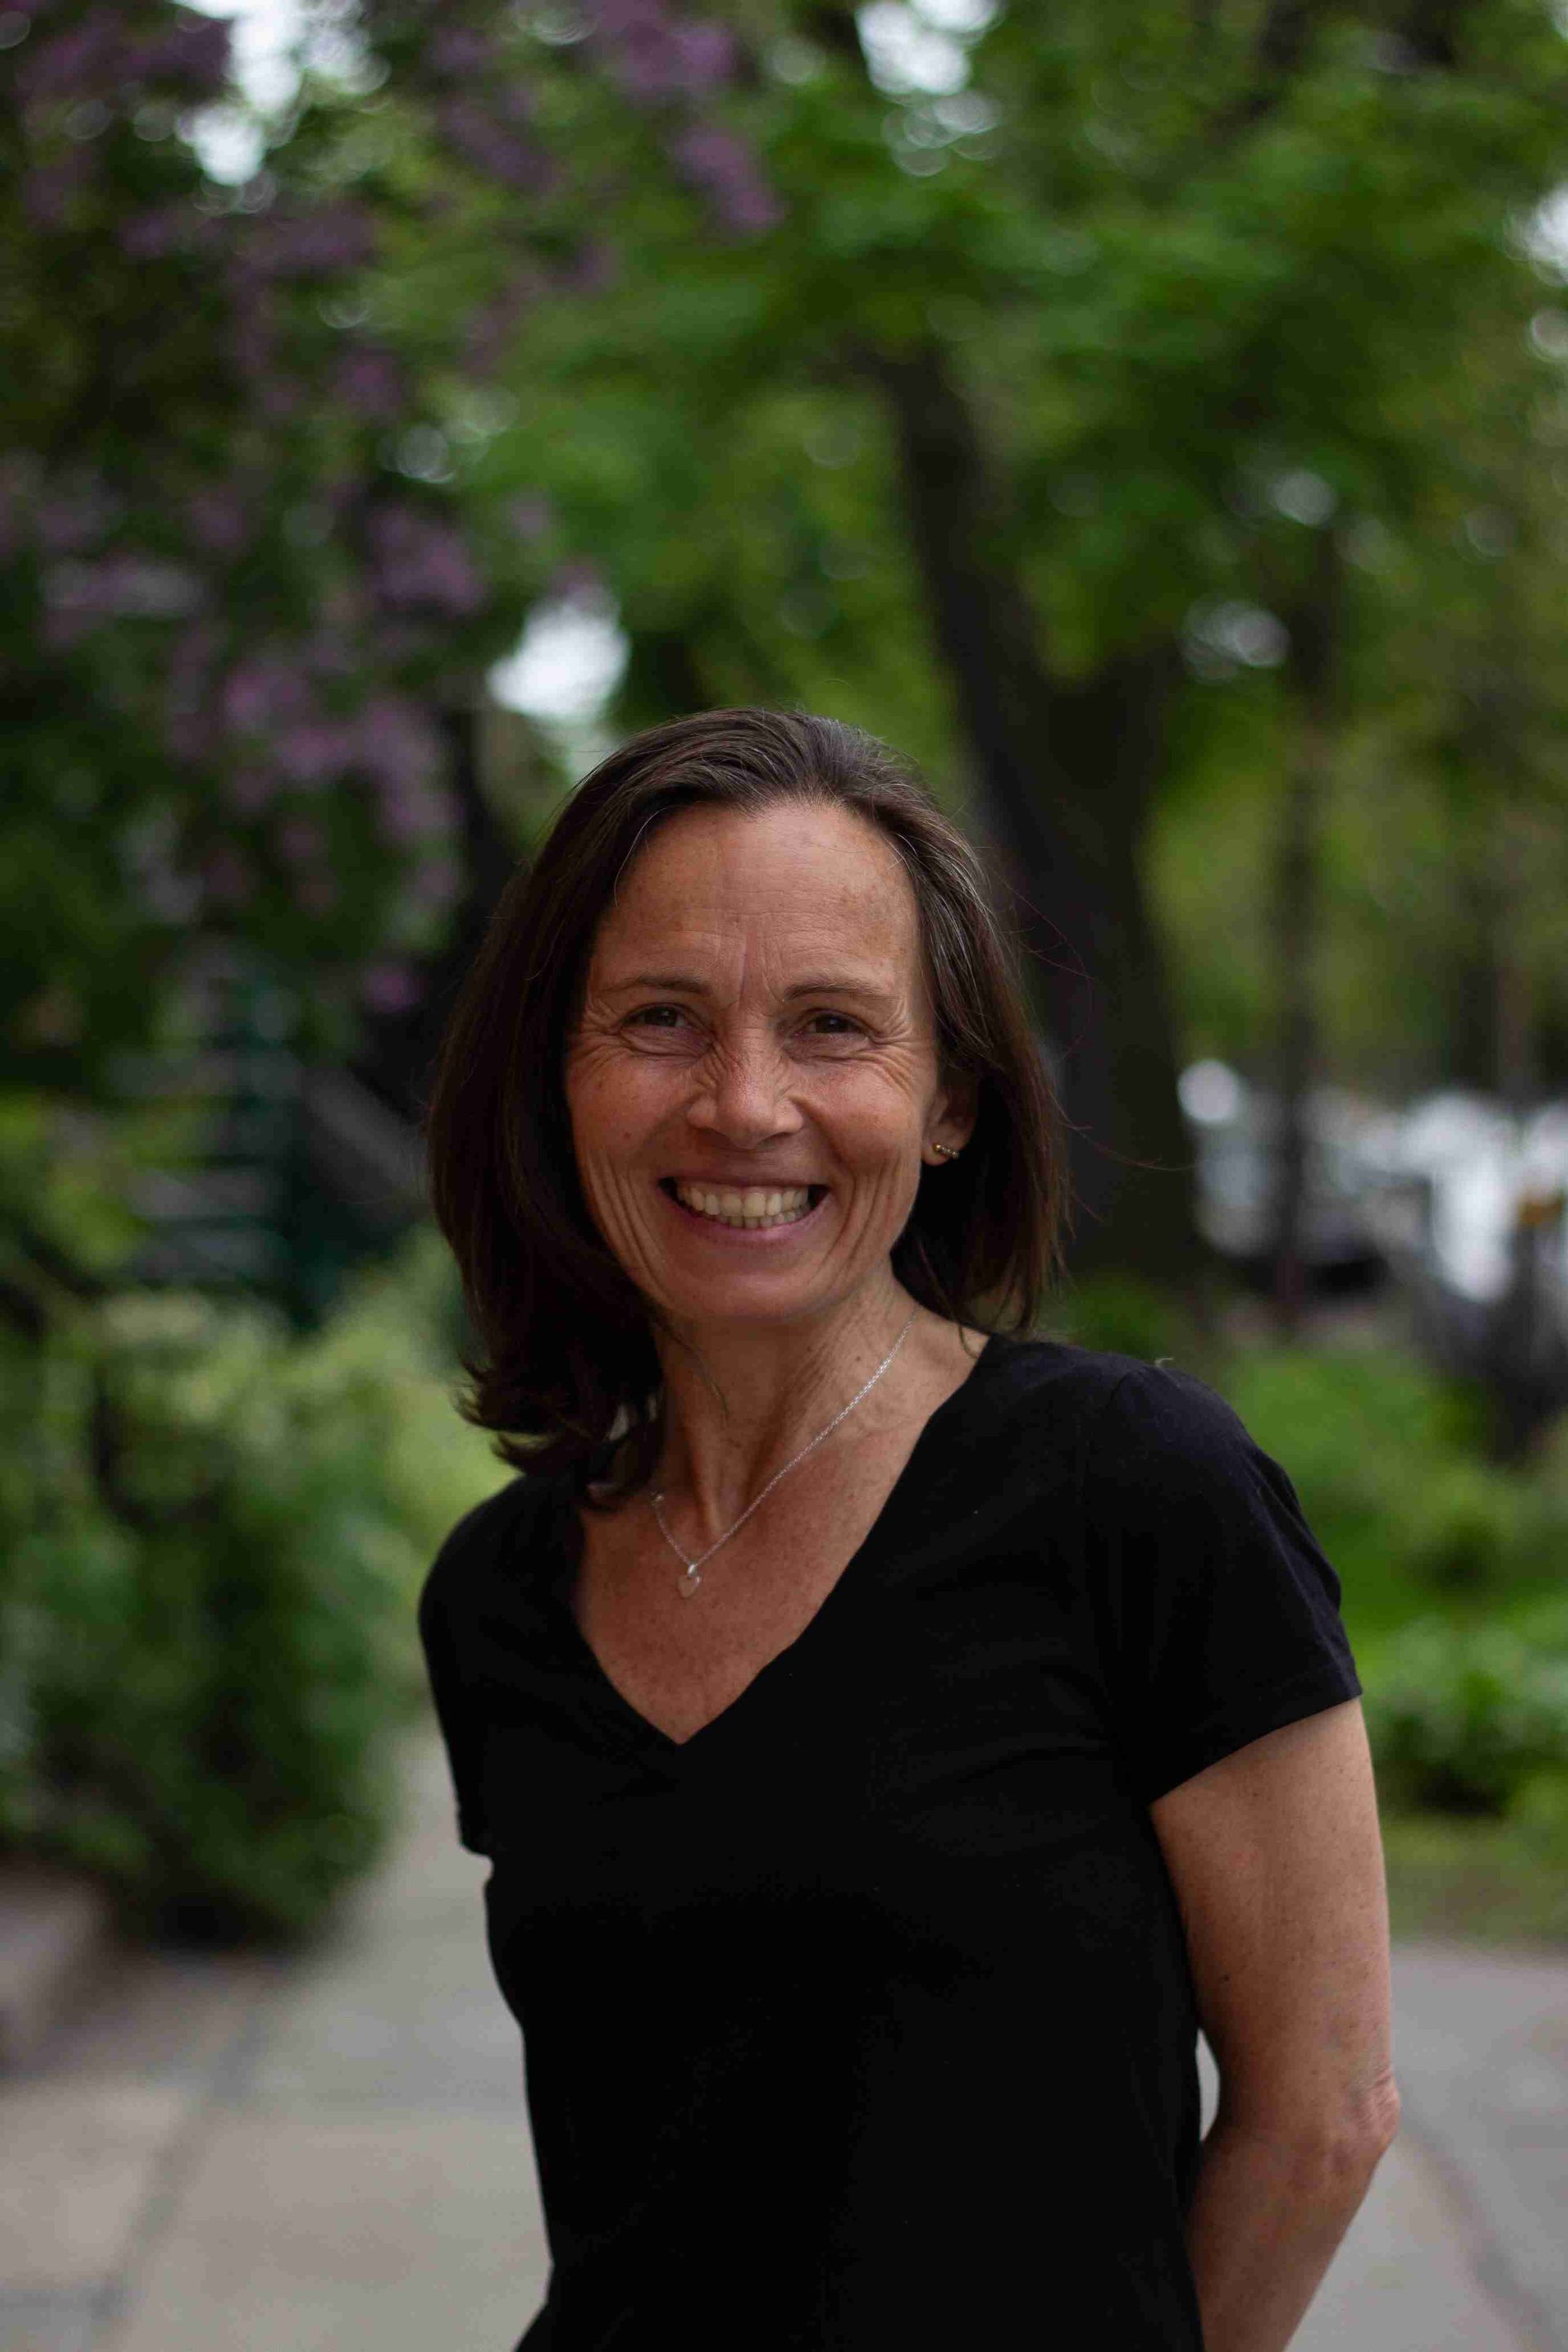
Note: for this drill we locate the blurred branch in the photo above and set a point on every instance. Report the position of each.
(1283, 40)
(1430, 31)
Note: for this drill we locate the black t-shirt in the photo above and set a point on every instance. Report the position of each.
(864, 2017)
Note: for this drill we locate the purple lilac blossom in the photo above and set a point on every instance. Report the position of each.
(389, 987)
(419, 560)
(228, 878)
(531, 515)
(153, 236)
(483, 142)
(312, 245)
(593, 267)
(654, 55)
(437, 883)
(190, 735)
(706, 51)
(720, 163)
(301, 840)
(371, 381)
(90, 56)
(194, 56)
(311, 755)
(62, 628)
(410, 813)
(457, 50)
(278, 396)
(250, 790)
(75, 514)
(396, 743)
(579, 575)
(491, 329)
(218, 520)
(258, 692)
(47, 191)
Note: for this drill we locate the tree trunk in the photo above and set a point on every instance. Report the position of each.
(1314, 638)
(1513, 1015)
(1065, 775)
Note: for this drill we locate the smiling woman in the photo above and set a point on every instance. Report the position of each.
(741, 905)
(859, 1895)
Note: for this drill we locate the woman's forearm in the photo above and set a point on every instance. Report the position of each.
(1267, 2213)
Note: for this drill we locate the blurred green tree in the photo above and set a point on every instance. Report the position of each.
(1035, 388)
(1031, 386)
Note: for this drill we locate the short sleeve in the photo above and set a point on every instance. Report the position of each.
(452, 1688)
(1219, 1613)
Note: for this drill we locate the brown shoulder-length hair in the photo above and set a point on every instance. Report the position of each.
(565, 1357)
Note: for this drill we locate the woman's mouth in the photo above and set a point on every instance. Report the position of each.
(755, 1208)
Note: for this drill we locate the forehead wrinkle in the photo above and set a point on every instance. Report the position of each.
(696, 896)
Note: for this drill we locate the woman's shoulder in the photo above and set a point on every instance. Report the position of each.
(1058, 1373)
(480, 1526)
(482, 1539)
(1129, 1415)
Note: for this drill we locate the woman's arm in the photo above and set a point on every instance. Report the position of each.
(1277, 1862)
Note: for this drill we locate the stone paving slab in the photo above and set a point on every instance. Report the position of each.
(392, 2234)
(396, 2020)
(156, 2016)
(1482, 2050)
(81, 2162)
(1404, 2278)
(46, 2322)
(55, 1930)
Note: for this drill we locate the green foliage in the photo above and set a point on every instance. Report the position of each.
(1451, 1575)
(1474, 1719)
(65, 1172)
(1128, 1314)
(213, 1533)
(1472, 1874)
(1385, 1455)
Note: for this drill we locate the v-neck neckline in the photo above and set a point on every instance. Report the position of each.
(640, 1728)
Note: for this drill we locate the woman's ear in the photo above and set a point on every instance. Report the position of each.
(953, 1116)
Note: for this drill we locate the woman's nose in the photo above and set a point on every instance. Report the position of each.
(742, 1094)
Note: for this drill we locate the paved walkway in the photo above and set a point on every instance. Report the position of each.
(332, 2155)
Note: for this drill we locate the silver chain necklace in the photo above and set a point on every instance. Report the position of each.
(692, 1579)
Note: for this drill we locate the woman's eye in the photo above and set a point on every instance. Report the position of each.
(847, 1028)
(649, 1016)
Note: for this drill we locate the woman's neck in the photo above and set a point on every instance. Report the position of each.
(741, 1400)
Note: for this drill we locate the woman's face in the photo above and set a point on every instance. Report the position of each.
(752, 1082)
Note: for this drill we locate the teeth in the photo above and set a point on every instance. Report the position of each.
(754, 1208)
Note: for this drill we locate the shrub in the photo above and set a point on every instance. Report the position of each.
(1384, 1454)
(1474, 1719)
(1126, 1313)
(207, 1603)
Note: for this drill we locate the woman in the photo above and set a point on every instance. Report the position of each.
(893, 1735)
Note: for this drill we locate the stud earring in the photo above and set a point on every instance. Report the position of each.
(946, 1150)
